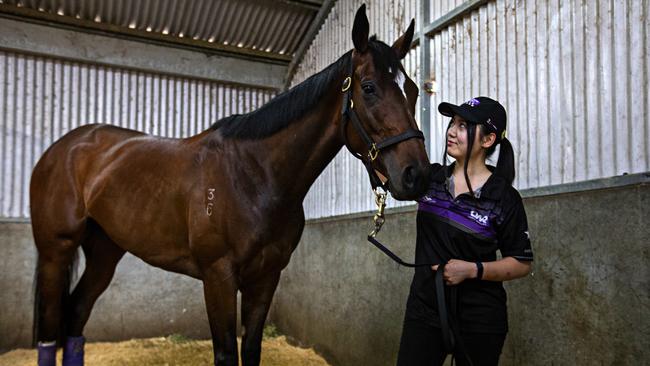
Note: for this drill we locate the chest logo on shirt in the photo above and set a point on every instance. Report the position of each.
(481, 219)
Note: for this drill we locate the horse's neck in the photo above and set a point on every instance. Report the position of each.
(297, 155)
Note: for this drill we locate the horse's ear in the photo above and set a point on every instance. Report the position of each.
(411, 90)
(403, 44)
(360, 30)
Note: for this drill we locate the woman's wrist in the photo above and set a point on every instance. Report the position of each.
(479, 271)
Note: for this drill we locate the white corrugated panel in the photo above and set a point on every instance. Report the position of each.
(573, 76)
(344, 187)
(42, 98)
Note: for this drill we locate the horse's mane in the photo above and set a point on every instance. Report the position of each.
(294, 103)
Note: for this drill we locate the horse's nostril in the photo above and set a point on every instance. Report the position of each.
(408, 179)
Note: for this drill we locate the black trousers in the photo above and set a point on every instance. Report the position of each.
(423, 345)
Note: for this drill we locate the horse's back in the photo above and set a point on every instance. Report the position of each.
(77, 147)
(88, 136)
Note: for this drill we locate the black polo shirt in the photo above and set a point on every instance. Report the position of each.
(470, 228)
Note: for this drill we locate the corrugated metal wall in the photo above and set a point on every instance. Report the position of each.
(43, 98)
(343, 187)
(572, 74)
(438, 8)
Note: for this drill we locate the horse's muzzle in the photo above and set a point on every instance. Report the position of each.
(413, 182)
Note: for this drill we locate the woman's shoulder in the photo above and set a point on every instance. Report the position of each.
(437, 175)
(497, 188)
(436, 169)
(511, 193)
(511, 199)
(435, 184)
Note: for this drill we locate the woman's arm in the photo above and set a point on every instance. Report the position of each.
(509, 268)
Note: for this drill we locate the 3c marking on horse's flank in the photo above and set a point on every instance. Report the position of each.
(208, 208)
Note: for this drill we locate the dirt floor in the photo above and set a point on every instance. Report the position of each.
(170, 351)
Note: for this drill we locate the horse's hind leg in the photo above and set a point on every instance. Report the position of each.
(256, 300)
(102, 256)
(55, 258)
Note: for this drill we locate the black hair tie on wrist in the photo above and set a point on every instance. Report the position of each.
(479, 273)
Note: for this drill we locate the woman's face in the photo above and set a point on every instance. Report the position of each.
(457, 139)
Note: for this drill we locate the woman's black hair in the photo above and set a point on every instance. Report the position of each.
(505, 165)
(471, 134)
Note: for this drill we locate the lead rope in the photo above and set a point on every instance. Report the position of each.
(378, 221)
(448, 326)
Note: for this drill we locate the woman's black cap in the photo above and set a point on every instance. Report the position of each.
(480, 110)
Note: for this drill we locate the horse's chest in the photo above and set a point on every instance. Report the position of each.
(269, 258)
(269, 246)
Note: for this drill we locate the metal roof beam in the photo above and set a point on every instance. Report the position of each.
(33, 15)
(310, 5)
(73, 45)
(451, 17)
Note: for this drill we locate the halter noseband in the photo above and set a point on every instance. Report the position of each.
(349, 114)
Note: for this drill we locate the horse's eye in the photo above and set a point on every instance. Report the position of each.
(368, 88)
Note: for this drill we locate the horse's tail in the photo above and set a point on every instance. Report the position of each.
(65, 301)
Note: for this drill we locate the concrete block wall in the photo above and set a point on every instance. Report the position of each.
(586, 302)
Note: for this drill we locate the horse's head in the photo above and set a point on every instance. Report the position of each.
(383, 98)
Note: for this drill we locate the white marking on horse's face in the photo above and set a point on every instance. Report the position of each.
(400, 80)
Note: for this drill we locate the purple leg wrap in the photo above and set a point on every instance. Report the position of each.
(46, 355)
(73, 352)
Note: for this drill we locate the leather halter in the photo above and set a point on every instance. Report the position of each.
(349, 114)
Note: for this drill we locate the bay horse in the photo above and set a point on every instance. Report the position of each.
(223, 206)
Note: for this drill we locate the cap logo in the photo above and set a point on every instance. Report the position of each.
(473, 102)
(489, 122)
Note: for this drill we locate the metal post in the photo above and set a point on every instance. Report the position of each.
(425, 74)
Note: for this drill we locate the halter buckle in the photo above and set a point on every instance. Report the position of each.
(373, 152)
(346, 84)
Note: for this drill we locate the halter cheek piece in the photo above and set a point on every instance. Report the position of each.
(349, 114)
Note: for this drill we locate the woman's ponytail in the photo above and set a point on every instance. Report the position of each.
(506, 163)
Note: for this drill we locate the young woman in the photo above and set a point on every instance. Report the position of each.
(469, 212)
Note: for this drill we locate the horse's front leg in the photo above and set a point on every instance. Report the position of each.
(256, 300)
(220, 291)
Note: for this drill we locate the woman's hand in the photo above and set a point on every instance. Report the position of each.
(457, 271)
(506, 269)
